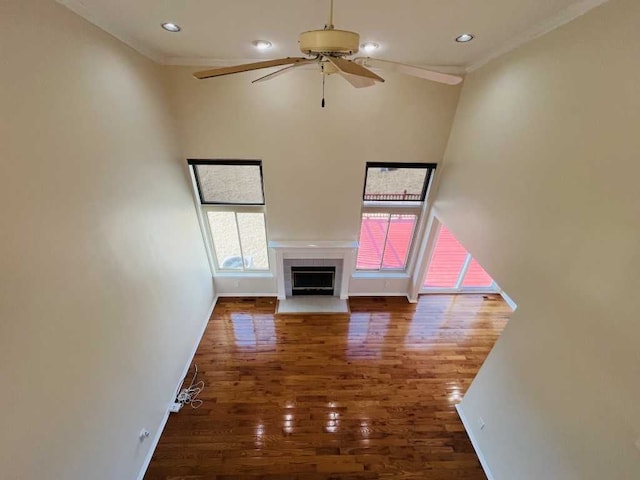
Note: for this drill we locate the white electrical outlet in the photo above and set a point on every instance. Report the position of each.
(481, 422)
(175, 407)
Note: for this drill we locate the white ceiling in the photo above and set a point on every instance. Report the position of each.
(420, 32)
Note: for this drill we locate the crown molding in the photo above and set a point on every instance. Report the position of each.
(563, 17)
(77, 7)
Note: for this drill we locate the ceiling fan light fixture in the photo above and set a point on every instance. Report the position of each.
(329, 49)
(171, 27)
(370, 47)
(262, 44)
(464, 38)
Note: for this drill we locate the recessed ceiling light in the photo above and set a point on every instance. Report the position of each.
(262, 44)
(171, 27)
(464, 38)
(370, 46)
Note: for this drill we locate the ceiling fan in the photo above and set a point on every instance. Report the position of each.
(329, 48)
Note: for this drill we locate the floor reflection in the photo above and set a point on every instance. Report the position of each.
(429, 319)
(454, 393)
(366, 334)
(253, 331)
(287, 424)
(332, 423)
(259, 436)
(365, 431)
(364, 395)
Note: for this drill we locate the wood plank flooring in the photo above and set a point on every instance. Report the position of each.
(365, 395)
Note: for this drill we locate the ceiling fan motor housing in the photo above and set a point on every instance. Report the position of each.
(336, 42)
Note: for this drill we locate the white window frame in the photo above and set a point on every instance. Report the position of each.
(235, 209)
(204, 208)
(417, 208)
(392, 209)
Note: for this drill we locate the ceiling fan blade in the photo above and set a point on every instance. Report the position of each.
(217, 72)
(284, 70)
(351, 68)
(412, 70)
(357, 81)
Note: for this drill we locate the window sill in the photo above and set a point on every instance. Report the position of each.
(362, 274)
(245, 274)
(467, 291)
(390, 204)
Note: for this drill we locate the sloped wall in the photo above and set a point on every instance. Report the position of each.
(540, 183)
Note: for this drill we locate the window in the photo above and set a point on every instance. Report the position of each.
(452, 268)
(393, 199)
(476, 277)
(232, 202)
(231, 182)
(385, 239)
(447, 261)
(396, 182)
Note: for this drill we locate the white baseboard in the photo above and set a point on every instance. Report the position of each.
(379, 294)
(248, 295)
(474, 442)
(154, 444)
(163, 422)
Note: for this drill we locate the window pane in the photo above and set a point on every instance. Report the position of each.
(253, 237)
(225, 239)
(237, 184)
(447, 261)
(476, 276)
(373, 232)
(398, 241)
(395, 184)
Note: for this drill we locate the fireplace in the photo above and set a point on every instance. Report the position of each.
(322, 256)
(308, 280)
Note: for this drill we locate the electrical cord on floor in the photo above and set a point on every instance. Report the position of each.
(189, 395)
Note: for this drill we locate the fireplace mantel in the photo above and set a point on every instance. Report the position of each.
(338, 250)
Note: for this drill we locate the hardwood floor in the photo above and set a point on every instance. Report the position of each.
(366, 395)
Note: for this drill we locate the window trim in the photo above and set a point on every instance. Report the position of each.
(194, 162)
(417, 212)
(429, 167)
(235, 210)
(400, 207)
(202, 208)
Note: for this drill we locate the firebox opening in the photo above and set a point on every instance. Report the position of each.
(313, 280)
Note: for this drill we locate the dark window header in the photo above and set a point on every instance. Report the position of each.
(397, 182)
(229, 182)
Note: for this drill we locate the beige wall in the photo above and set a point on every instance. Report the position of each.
(104, 281)
(313, 158)
(541, 185)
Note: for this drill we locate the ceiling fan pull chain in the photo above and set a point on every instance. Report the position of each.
(324, 76)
